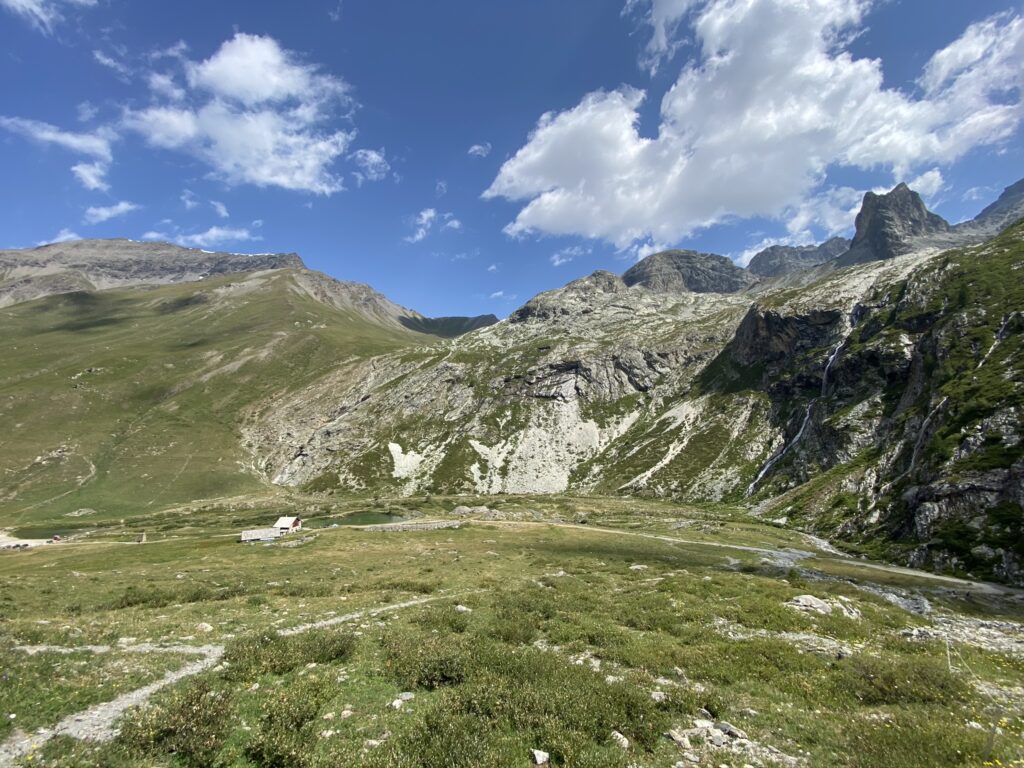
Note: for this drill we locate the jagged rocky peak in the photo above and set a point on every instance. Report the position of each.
(688, 272)
(887, 223)
(578, 297)
(777, 260)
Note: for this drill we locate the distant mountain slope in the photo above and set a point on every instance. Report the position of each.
(98, 265)
(104, 264)
(135, 398)
(782, 259)
(448, 327)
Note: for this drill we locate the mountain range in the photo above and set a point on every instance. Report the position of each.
(869, 390)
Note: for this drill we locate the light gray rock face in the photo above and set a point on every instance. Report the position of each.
(887, 224)
(580, 297)
(779, 260)
(688, 271)
(89, 265)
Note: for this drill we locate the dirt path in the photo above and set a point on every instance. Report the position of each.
(99, 722)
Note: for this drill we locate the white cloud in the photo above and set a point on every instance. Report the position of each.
(929, 183)
(99, 214)
(423, 223)
(43, 14)
(154, 235)
(163, 84)
(255, 114)
(64, 236)
(215, 236)
(220, 208)
(95, 144)
(751, 127)
(188, 199)
(165, 127)
(441, 188)
(427, 219)
(372, 163)
(92, 175)
(498, 295)
(664, 17)
(119, 68)
(254, 70)
(86, 112)
(565, 255)
(492, 268)
(480, 150)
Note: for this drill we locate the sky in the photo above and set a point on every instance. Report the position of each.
(461, 156)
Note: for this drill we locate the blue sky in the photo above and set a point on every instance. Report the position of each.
(461, 156)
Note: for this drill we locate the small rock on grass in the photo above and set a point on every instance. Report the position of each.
(540, 757)
(730, 730)
(621, 741)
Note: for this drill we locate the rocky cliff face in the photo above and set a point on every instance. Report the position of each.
(688, 271)
(779, 260)
(887, 224)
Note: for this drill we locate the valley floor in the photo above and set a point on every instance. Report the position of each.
(580, 631)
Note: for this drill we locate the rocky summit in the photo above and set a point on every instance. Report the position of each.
(688, 271)
(887, 223)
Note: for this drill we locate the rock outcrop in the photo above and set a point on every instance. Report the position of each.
(887, 225)
(688, 272)
(779, 260)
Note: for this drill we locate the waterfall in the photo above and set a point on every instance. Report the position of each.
(787, 447)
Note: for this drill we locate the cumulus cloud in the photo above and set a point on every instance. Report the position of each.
(480, 150)
(372, 164)
(44, 15)
(256, 114)
(163, 84)
(772, 100)
(64, 236)
(215, 236)
(188, 199)
(220, 208)
(929, 183)
(99, 214)
(92, 175)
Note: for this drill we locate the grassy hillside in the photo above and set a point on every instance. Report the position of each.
(130, 400)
